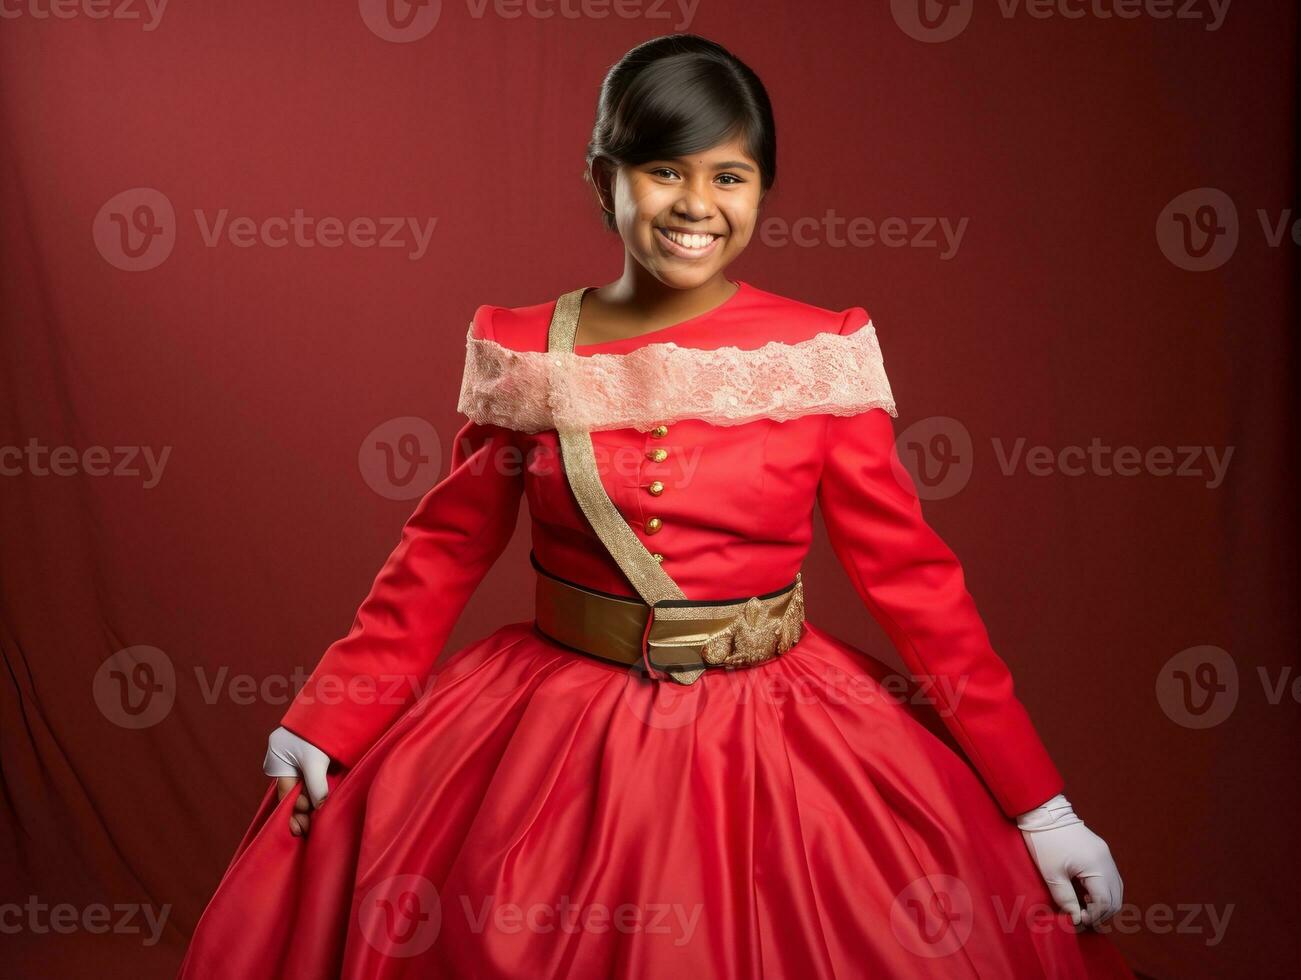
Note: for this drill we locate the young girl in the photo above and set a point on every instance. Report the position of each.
(669, 771)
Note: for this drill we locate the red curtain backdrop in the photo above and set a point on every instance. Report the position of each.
(241, 246)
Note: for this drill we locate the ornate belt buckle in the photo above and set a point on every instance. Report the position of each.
(754, 636)
(750, 636)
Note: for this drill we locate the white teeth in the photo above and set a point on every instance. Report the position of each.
(689, 241)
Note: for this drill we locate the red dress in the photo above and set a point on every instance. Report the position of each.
(536, 812)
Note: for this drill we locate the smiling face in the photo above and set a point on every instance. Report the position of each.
(687, 218)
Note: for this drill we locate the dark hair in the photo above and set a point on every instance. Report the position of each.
(679, 94)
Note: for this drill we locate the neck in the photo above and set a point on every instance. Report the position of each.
(640, 296)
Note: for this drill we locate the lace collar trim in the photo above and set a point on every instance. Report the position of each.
(660, 383)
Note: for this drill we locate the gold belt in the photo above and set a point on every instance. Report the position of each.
(674, 635)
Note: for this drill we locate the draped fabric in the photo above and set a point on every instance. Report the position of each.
(789, 820)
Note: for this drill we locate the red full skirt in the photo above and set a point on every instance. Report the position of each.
(539, 813)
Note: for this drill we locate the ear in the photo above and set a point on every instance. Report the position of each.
(601, 173)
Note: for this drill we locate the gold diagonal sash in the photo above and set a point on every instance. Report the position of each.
(750, 631)
(644, 572)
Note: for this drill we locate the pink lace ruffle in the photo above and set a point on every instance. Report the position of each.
(659, 383)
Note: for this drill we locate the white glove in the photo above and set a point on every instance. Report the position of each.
(289, 755)
(1063, 848)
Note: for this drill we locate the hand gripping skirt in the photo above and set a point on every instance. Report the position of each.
(539, 813)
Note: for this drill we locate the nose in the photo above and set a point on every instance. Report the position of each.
(696, 202)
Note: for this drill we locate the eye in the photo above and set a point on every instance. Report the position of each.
(663, 170)
(732, 178)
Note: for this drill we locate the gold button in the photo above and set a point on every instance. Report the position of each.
(656, 488)
(653, 525)
(657, 556)
(658, 455)
(660, 431)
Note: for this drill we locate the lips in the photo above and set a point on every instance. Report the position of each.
(690, 245)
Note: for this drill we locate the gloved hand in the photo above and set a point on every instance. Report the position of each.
(1063, 848)
(290, 758)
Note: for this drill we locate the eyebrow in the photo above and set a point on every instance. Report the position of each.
(725, 165)
(734, 165)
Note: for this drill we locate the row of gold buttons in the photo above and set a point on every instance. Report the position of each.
(655, 487)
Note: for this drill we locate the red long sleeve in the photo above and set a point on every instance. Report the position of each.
(457, 531)
(913, 585)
